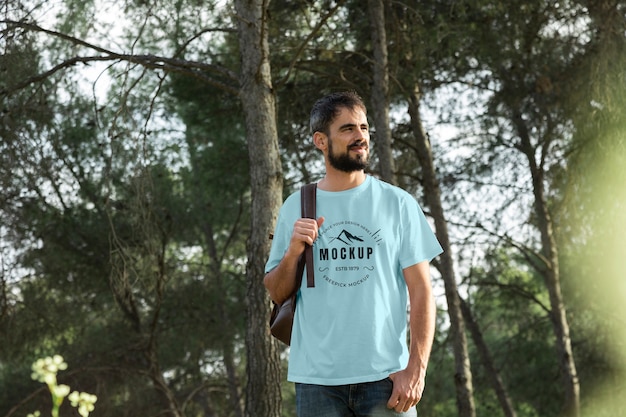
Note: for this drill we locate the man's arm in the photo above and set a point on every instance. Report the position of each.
(281, 281)
(408, 384)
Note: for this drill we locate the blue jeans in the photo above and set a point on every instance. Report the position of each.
(356, 400)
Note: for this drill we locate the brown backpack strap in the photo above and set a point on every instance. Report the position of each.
(308, 195)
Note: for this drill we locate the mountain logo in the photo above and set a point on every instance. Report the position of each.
(347, 238)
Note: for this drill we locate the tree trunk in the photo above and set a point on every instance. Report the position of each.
(233, 380)
(463, 374)
(380, 90)
(172, 408)
(487, 360)
(551, 272)
(228, 335)
(263, 395)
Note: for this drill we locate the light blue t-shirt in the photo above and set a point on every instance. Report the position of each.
(351, 327)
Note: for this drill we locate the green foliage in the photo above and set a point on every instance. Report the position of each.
(137, 264)
(512, 307)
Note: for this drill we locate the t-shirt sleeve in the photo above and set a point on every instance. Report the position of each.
(418, 243)
(287, 216)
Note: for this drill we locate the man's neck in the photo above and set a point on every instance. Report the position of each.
(341, 181)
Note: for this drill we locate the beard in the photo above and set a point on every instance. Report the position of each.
(344, 162)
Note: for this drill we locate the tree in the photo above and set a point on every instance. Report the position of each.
(462, 374)
(534, 116)
(593, 215)
(380, 90)
(257, 97)
(125, 189)
(526, 122)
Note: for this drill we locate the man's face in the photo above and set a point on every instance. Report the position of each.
(348, 141)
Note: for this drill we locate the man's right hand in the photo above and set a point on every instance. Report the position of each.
(281, 281)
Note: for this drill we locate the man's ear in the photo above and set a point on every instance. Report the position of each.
(320, 140)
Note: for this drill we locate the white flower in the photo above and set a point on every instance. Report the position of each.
(84, 401)
(59, 363)
(45, 370)
(74, 397)
(61, 391)
(49, 378)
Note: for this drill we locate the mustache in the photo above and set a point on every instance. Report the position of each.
(358, 144)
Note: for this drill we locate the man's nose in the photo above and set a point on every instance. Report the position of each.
(362, 135)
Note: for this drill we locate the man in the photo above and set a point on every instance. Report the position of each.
(372, 246)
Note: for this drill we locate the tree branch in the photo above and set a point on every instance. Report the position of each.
(192, 68)
(305, 42)
(517, 289)
(534, 258)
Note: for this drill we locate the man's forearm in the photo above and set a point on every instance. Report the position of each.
(281, 281)
(422, 317)
(422, 328)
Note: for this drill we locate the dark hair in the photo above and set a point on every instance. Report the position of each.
(326, 109)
